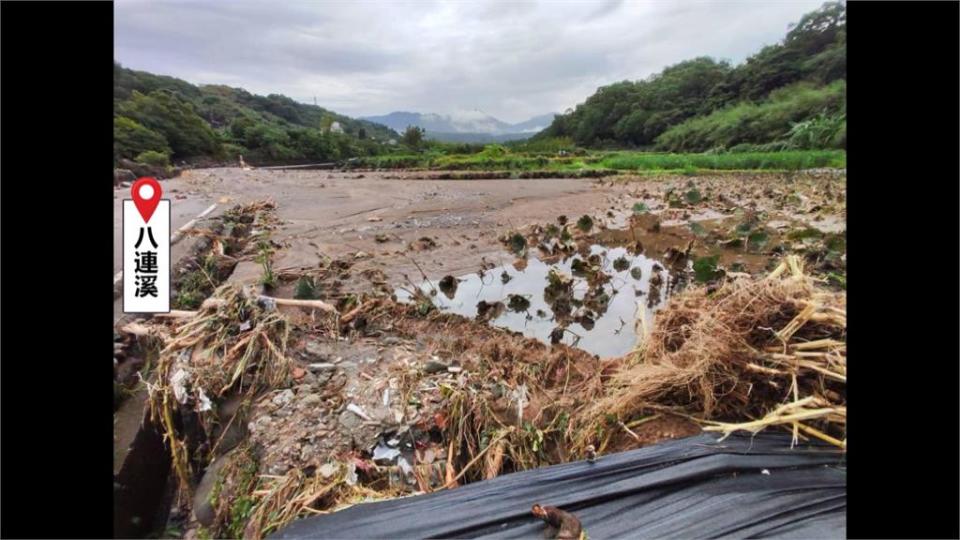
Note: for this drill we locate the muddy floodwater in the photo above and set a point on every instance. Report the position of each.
(600, 318)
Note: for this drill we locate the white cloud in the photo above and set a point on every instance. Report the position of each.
(509, 59)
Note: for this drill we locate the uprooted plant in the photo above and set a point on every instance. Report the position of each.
(236, 342)
(751, 355)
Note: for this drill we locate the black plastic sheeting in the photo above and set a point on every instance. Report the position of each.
(697, 487)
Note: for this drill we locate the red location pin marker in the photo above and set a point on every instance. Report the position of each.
(146, 196)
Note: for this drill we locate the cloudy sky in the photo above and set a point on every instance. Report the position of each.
(513, 60)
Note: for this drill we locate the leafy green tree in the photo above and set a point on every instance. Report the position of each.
(818, 29)
(168, 114)
(314, 145)
(130, 139)
(239, 127)
(637, 113)
(413, 137)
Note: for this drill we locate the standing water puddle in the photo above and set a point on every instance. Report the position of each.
(596, 299)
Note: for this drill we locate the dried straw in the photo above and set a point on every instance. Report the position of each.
(753, 354)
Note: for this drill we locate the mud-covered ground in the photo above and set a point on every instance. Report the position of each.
(382, 215)
(368, 389)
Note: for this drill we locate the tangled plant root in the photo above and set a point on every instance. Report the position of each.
(278, 500)
(753, 354)
(233, 343)
(512, 411)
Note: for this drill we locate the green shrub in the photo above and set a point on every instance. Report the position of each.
(154, 158)
(546, 145)
(690, 163)
(130, 139)
(758, 123)
(306, 289)
(494, 151)
(821, 131)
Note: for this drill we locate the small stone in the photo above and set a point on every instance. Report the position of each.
(306, 451)
(434, 366)
(279, 469)
(349, 420)
(310, 400)
(327, 470)
(283, 398)
(233, 426)
(202, 506)
(314, 349)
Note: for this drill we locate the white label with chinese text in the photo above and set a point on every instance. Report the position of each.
(146, 259)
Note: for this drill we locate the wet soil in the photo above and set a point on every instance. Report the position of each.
(357, 233)
(381, 218)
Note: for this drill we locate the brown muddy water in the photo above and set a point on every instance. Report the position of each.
(600, 318)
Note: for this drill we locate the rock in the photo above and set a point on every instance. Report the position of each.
(202, 507)
(310, 400)
(305, 452)
(140, 170)
(230, 433)
(127, 371)
(260, 424)
(123, 175)
(314, 349)
(349, 420)
(327, 470)
(309, 378)
(434, 366)
(247, 273)
(283, 398)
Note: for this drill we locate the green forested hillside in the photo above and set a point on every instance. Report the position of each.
(788, 95)
(158, 117)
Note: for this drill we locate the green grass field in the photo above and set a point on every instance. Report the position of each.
(621, 161)
(787, 160)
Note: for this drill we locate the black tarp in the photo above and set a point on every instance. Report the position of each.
(698, 487)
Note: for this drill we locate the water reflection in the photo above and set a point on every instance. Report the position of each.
(590, 302)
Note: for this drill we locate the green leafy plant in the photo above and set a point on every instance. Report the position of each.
(306, 289)
(154, 158)
(267, 278)
(585, 223)
(517, 243)
(705, 269)
(697, 229)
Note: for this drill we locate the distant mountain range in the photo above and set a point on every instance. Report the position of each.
(472, 126)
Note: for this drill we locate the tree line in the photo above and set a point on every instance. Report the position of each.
(160, 119)
(788, 95)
